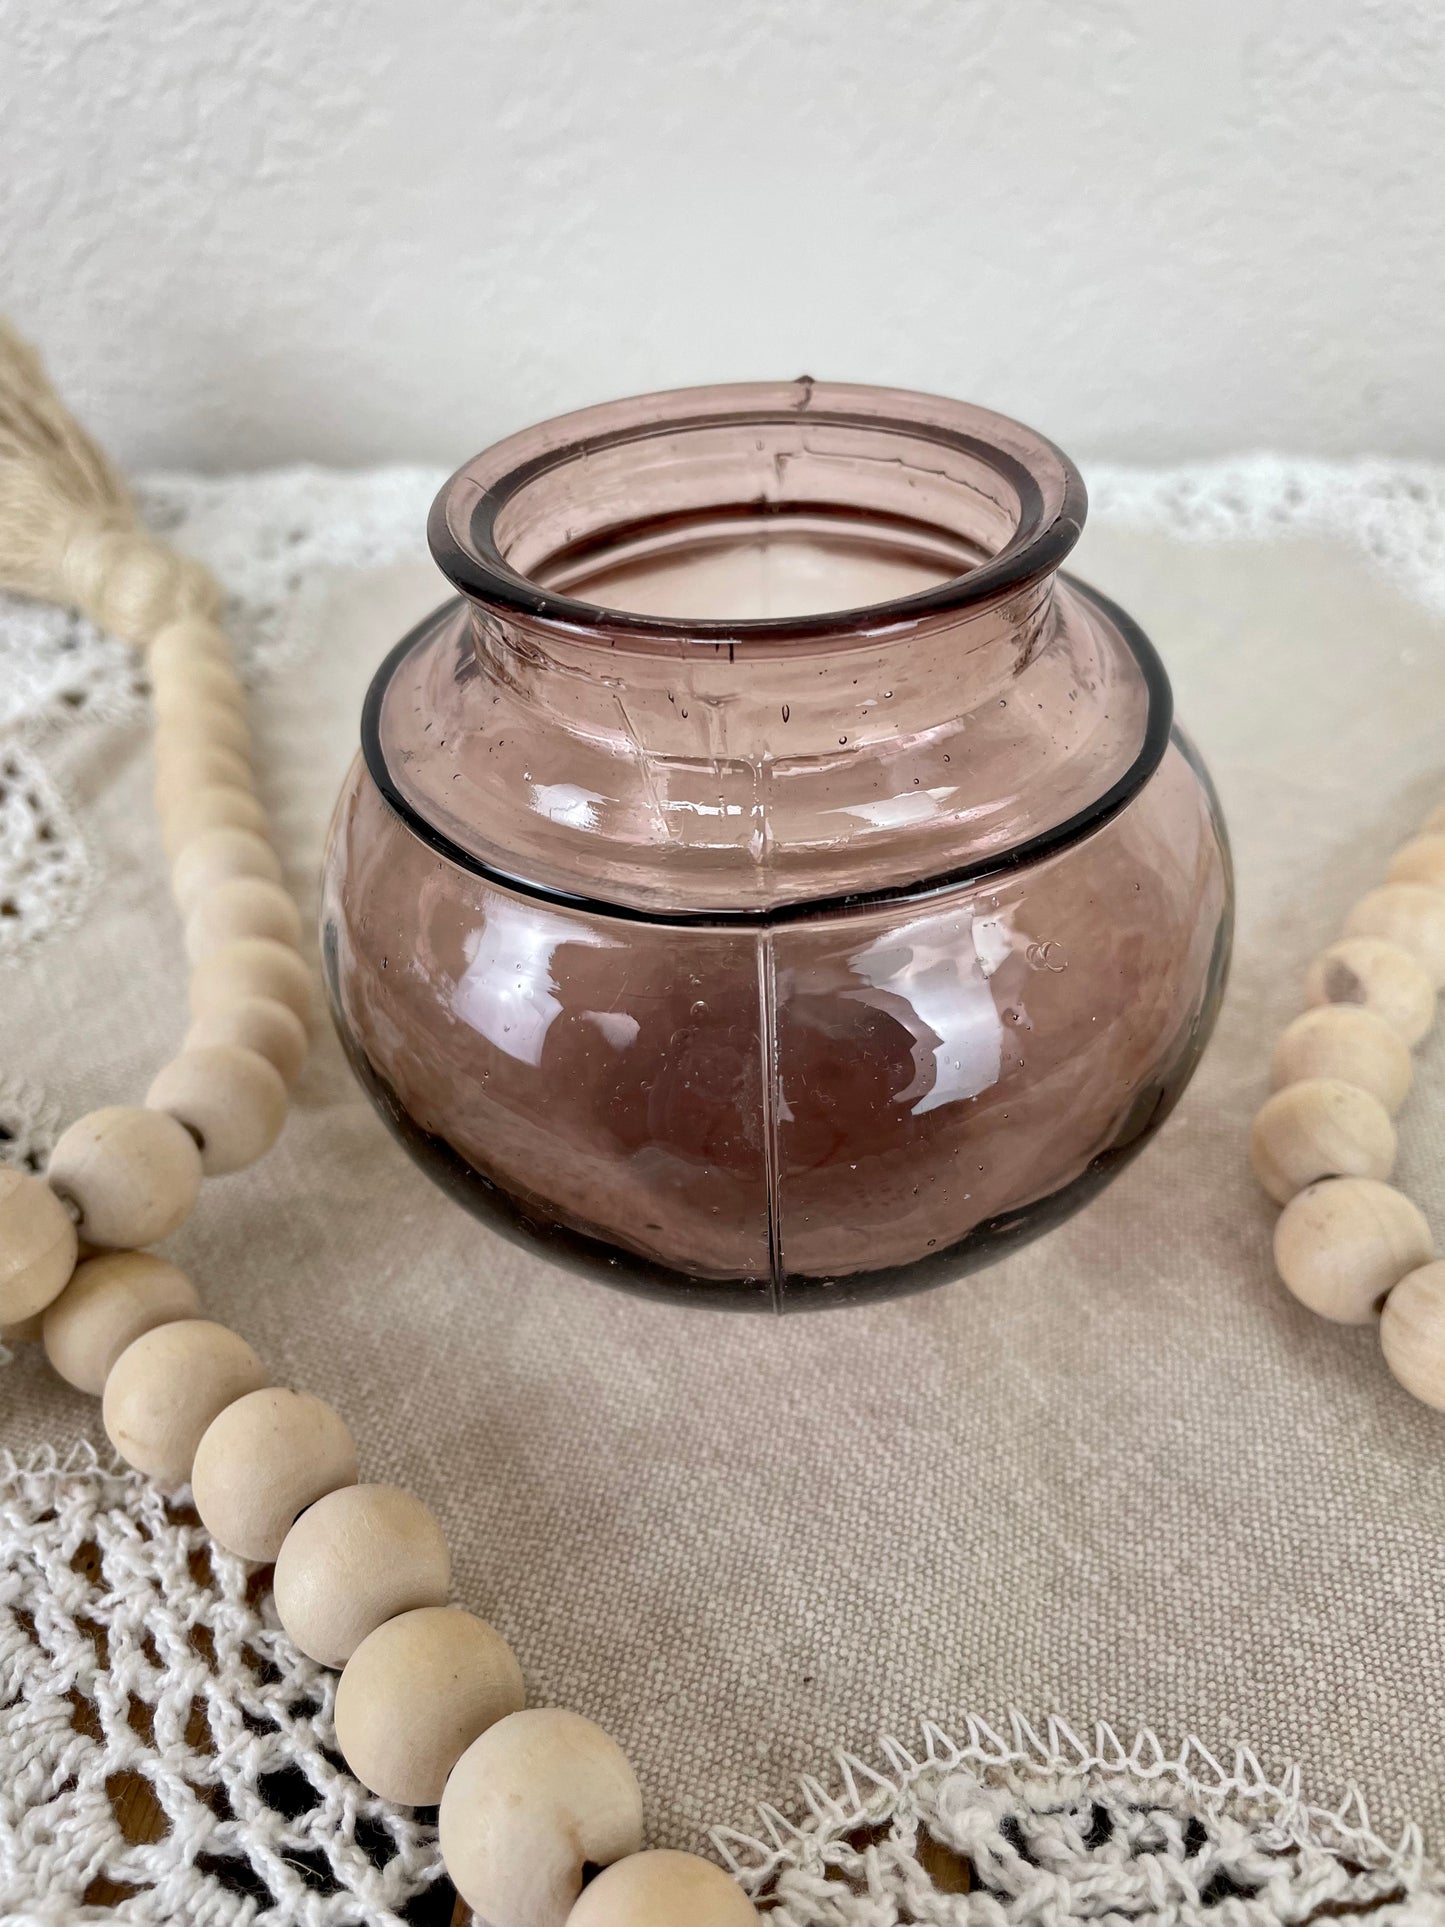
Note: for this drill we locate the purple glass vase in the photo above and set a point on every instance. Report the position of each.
(770, 883)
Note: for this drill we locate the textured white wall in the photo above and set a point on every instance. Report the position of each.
(248, 231)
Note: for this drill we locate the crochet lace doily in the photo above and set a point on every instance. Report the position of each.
(169, 1756)
(165, 1753)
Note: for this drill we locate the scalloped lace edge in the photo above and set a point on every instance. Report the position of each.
(867, 1797)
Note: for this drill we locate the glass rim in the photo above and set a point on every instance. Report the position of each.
(1052, 499)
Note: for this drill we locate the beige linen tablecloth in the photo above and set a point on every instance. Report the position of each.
(1120, 1476)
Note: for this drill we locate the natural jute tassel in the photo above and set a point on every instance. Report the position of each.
(69, 532)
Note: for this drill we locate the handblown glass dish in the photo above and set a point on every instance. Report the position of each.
(770, 882)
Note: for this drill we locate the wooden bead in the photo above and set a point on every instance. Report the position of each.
(38, 1245)
(1320, 1128)
(190, 640)
(1378, 976)
(1420, 861)
(416, 1693)
(201, 679)
(259, 1024)
(1412, 1333)
(216, 857)
(1340, 1245)
(191, 766)
(199, 720)
(356, 1558)
(132, 1174)
(241, 907)
(251, 967)
(107, 1305)
(165, 1389)
(663, 1889)
(1435, 822)
(1409, 914)
(263, 1460)
(214, 807)
(528, 1808)
(1350, 1043)
(232, 1101)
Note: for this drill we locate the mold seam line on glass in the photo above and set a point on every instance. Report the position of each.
(771, 1092)
(1035, 849)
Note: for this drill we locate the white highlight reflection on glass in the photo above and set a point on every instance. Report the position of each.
(566, 803)
(927, 976)
(616, 1026)
(897, 812)
(507, 990)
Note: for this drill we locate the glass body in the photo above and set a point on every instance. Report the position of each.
(771, 883)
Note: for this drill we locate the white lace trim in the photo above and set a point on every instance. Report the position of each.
(136, 1656)
(1046, 1827)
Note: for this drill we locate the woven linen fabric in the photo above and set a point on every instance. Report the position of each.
(1118, 1477)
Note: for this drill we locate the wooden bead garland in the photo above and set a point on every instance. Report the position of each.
(177, 648)
(166, 1387)
(1348, 1245)
(1341, 1245)
(108, 1304)
(1378, 976)
(1420, 861)
(1320, 1128)
(416, 1693)
(23, 1331)
(1346, 1042)
(262, 1460)
(131, 1174)
(215, 806)
(241, 907)
(1412, 1333)
(663, 1889)
(231, 1100)
(193, 765)
(527, 1807)
(38, 1246)
(250, 967)
(215, 857)
(271, 1029)
(359, 1556)
(430, 1702)
(1409, 914)
(188, 679)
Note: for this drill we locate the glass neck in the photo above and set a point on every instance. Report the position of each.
(715, 701)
